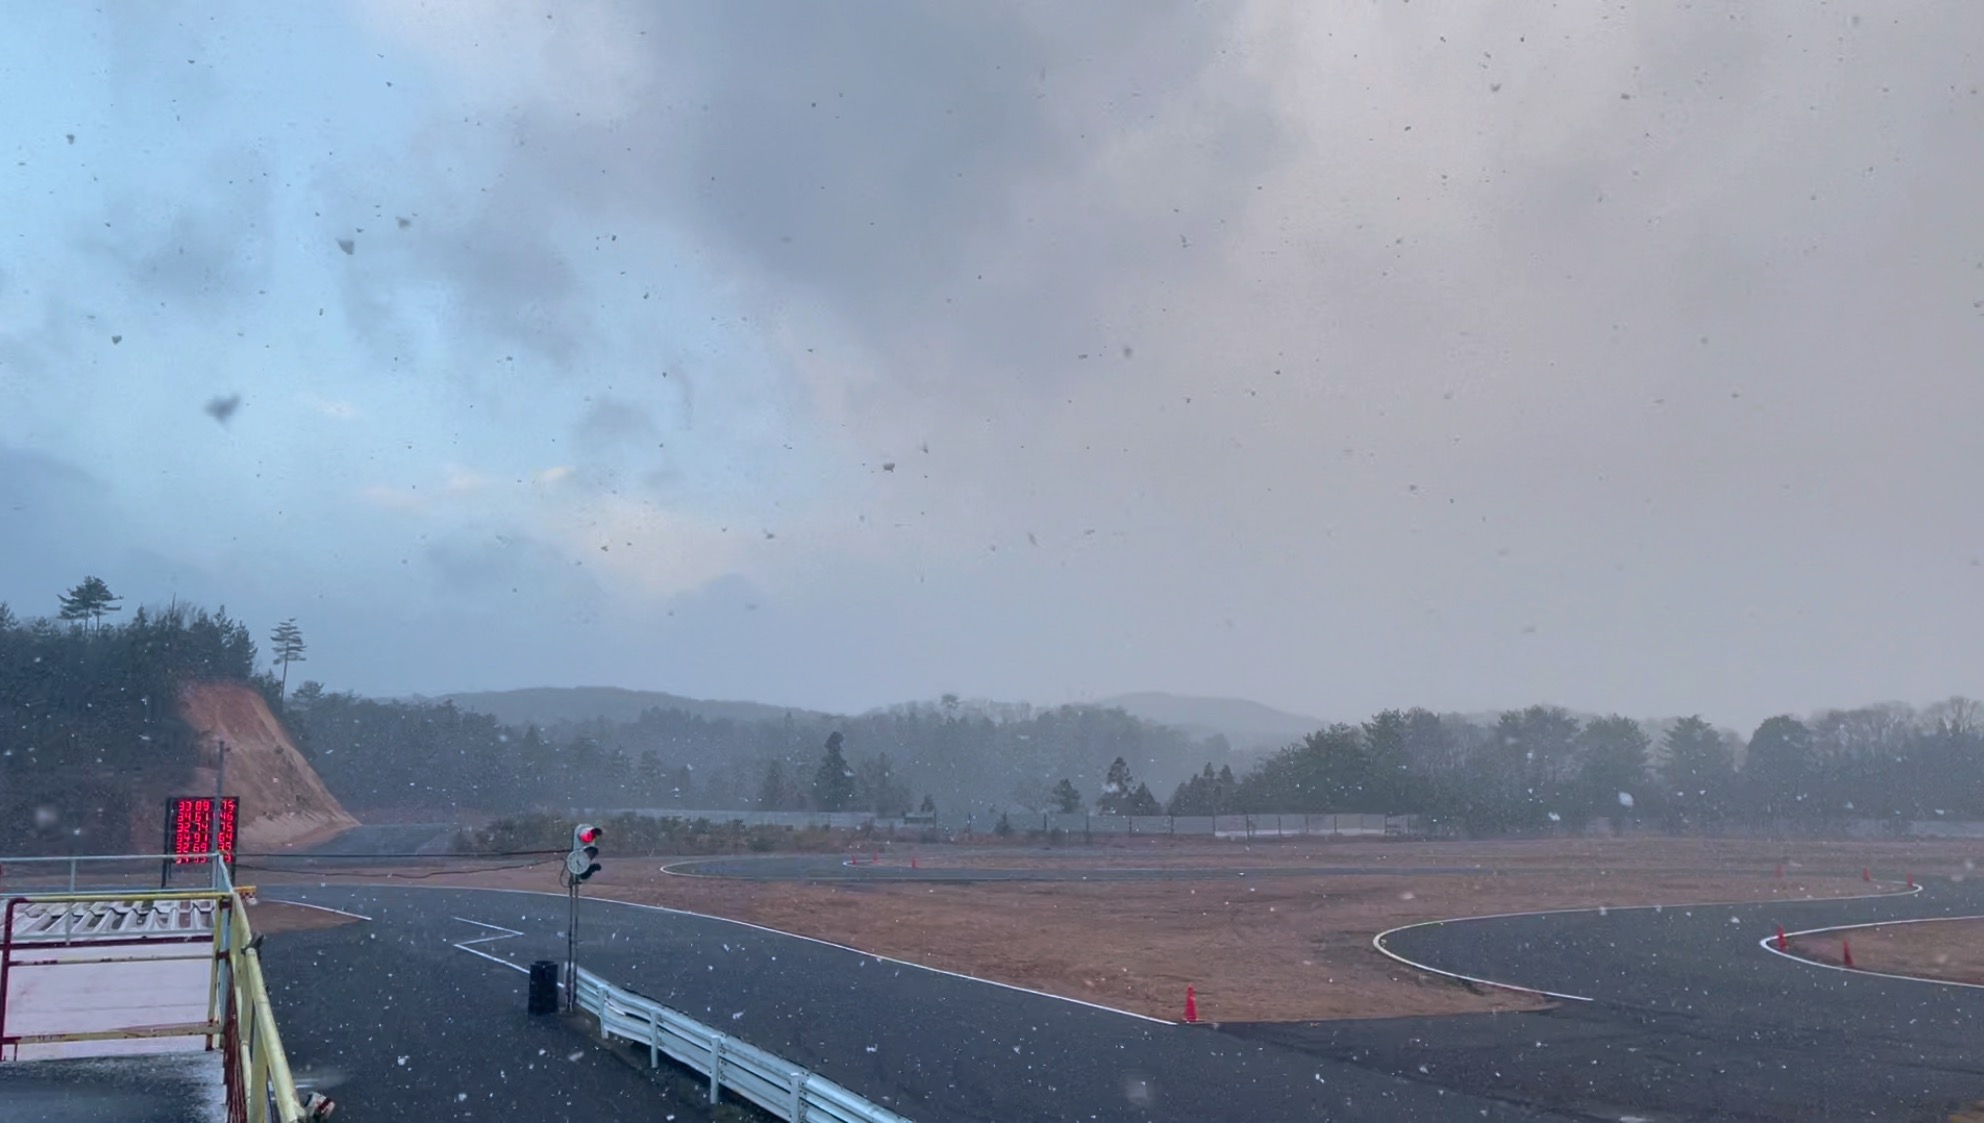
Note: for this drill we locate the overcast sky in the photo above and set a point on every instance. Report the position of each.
(1464, 354)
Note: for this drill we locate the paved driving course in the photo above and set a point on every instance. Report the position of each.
(1677, 1014)
(929, 1045)
(1683, 1016)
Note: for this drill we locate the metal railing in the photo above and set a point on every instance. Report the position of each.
(239, 1021)
(778, 1086)
(78, 873)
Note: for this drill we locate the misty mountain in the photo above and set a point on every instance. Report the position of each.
(560, 705)
(1245, 725)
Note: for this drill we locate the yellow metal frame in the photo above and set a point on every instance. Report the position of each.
(237, 985)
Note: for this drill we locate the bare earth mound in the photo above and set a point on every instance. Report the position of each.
(283, 802)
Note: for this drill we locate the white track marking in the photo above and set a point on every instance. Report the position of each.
(502, 934)
(1768, 944)
(1378, 941)
(775, 932)
(319, 908)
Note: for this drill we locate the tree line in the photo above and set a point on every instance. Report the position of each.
(90, 731)
(1543, 769)
(376, 753)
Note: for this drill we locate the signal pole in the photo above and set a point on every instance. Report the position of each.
(579, 865)
(572, 949)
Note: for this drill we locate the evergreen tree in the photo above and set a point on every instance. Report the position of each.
(1612, 767)
(833, 781)
(1778, 769)
(1067, 798)
(286, 646)
(90, 601)
(1699, 773)
(1117, 788)
(775, 792)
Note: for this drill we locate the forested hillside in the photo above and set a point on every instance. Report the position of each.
(1542, 769)
(90, 730)
(375, 753)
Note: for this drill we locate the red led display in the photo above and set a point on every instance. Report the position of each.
(189, 828)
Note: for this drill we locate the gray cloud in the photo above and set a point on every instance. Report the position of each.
(879, 162)
(1346, 356)
(57, 522)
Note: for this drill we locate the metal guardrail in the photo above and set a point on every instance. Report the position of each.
(779, 1086)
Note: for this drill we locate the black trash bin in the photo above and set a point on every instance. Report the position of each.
(544, 987)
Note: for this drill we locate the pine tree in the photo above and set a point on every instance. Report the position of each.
(1067, 798)
(286, 645)
(1117, 787)
(833, 783)
(90, 601)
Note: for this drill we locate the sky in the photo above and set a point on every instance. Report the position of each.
(1384, 353)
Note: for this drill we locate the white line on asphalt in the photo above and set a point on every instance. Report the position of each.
(1768, 941)
(505, 934)
(319, 908)
(1378, 941)
(792, 935)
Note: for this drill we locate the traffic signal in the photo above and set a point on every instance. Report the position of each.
(580, 862)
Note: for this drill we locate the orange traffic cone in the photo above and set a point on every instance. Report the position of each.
(1191, 1005)
(1846, 952)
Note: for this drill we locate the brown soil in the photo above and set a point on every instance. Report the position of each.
(283, 802)
(1949, 950)
(1283, 948)
(269, 918)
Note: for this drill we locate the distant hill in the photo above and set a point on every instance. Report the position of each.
(555, 705)
(1244, 724)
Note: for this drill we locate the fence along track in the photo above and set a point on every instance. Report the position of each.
(778, 1086)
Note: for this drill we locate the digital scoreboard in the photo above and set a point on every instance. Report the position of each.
(189, 828)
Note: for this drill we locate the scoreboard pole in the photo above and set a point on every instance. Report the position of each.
(220, 783)
(199, 829)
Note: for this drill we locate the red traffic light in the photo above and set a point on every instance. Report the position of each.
(589, 835)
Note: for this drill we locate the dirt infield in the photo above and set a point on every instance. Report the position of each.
(1945, 950)
(270, 917)
(1286, 948)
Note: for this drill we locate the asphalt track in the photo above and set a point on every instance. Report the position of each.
(393, 1022)
(930, 1045)
(1663, 1013)
(1679, 1013)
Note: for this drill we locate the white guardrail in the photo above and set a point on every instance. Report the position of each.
(778, 1086)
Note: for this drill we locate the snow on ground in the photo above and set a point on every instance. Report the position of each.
(93, 985)
(174, 1087)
